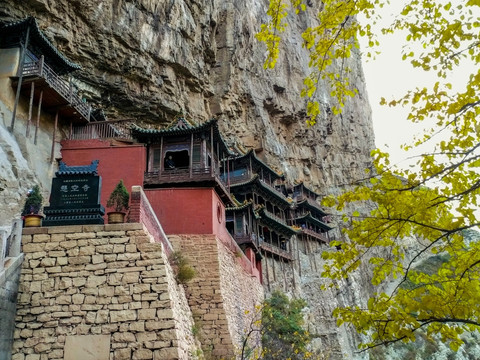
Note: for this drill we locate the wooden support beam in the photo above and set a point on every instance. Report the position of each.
(162, 156)
(191, 156)
(273, 268)
(30, 106)
(20, 78)
(292, 264)
(298, 257)
(266, 269)
(53, 137)
(212, 151)
(38, 117)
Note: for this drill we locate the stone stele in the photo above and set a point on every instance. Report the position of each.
(87, 347)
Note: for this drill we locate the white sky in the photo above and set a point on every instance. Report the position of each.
(389, 77)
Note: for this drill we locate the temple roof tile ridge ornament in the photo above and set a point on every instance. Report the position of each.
(241, 206)
(180, 127)
(54, 57)
(308, 216)
(64, 169)
(312, 205)
(271, 221)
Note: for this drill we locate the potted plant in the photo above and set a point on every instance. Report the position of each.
(31, 209)
(118, 201)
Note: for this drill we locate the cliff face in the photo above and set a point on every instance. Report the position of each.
(155, 59)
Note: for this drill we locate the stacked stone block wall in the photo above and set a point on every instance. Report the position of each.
(221, 293)
(100, 280)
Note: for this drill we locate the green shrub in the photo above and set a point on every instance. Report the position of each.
(182, 269)
(34, 201)
(119, 198)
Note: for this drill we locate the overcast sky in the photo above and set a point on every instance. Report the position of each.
(389, 77)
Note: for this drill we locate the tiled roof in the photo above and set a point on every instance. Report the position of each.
(39, 42)
(308, 216)
(64, 169)
(312, 205)
(255, 181)
(180, 127)
(302, 184)
(274, 223)
(240, 207)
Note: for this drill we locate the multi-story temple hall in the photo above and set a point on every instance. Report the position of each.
(196, 184)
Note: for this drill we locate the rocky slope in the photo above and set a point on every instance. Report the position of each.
(155, 59)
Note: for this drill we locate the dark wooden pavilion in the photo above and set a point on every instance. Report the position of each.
(184, 155)
(41, 75)
(263, 223)
(308, 214)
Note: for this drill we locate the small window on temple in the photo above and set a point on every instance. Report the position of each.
(156, 160)
(197, 148)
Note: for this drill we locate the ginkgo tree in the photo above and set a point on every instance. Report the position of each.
(436, 201)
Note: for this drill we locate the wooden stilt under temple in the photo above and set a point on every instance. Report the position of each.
(38, 117)
(20, 78)
(53, 137)
(30, 108)
(266, 269)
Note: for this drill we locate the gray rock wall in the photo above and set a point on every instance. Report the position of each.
(9, 281)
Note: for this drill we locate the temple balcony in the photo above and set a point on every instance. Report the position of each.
(189, 176)
(57, 94)
(316, 235)
(274, 250)
(118, 130)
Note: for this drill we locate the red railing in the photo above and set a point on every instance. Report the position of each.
(142, 212)
(64, 88)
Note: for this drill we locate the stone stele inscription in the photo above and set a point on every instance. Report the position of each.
(75, 191)
(87, 347)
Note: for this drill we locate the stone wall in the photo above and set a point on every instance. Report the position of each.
(223, 283)
(9, 278)
(99, 280)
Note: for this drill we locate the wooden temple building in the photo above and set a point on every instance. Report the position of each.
(40, 73)
(194, 182)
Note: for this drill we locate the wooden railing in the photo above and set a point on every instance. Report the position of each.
(181, 174)
(64, 88)
(142, 212)
(259, 243)
(274, 189)
(275, 250)
(275, 217)
(316, 235)
(119, 129)
(246, 239)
